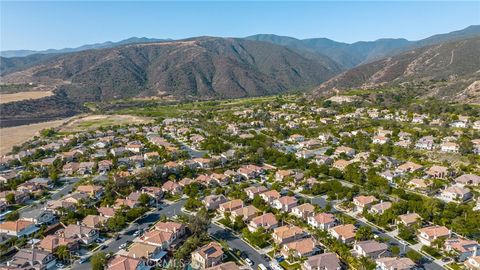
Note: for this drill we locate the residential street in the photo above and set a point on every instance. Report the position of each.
(141, 223)
(236, 243)
(431, 265)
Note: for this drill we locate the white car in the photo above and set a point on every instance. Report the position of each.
(248, 261)
(59, 265)
(122, 246)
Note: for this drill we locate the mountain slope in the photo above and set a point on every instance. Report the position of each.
(351, 55)
(448, 69)
(199, 68)
(108, 44)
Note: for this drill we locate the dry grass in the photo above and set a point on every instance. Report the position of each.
(93, 122)
(4, 98)
(12, 136)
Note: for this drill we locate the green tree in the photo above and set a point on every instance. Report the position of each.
(62, 252)
(364, 233)
(10, 197)
(144, 199)
(98, 261)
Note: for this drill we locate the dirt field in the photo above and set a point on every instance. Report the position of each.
(92, 122)
(12, 136)
(4, 98)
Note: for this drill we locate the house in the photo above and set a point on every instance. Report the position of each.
(303, 211)
(120, 262)
(38, 216)
(450, 147)
(409, 219)
(20, 196)
(462, 247)
(94, 221)
(322, 221)
(350, 152)
(473, 263)
(154, 192)
(429, 234)
(370, 248)
(325, 261)
(305, 247)
(58, 206)
(408, 167)
(267, 221)
(380, 139)
(247, 213)
(18, 228)
(212, 202)
(296, 138)
(107, 212)
(230, 206)
(171, 187)
(437, 172)
(344, 233)
(456, 193)
(341, 164)
(70, 168)
(287, 233)
(142, 250)
(285, 203)
(92, 190)
(270, 196)
(425, 143)
(207, 256)
(419, 183)
(255, 190)
(32, 258)
(224, 266)
(135, 147)
(393, 263)
(51, 242)
(85, 168)
(104, 166)
(282, 174)
(380, 208)
(468, 179)
(84, 234)
(362, 202)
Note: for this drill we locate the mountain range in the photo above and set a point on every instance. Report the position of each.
(205, 68)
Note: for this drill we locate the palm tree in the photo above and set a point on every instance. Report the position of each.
(62, 252)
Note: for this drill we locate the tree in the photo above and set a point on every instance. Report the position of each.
(364, 233)
(395, 250)
(414, 256)
(98, 261)
(200, 222)
(62, 252)
(13, 216)
(10, 197)
(144, 199)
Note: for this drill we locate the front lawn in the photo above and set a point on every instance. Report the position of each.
(288, 266)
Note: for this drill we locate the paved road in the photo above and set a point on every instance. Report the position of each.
(67, 188)
(429, 265)
(141, 223)
(236, 243)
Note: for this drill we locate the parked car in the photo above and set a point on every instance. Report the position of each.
(248, 261)
(122, 246)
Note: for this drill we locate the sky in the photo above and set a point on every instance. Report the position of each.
(42, 25)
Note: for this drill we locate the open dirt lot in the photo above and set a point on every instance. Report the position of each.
(12, 136)
(92, 122)
(5, 98)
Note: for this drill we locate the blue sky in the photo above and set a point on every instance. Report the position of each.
(43, 25)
